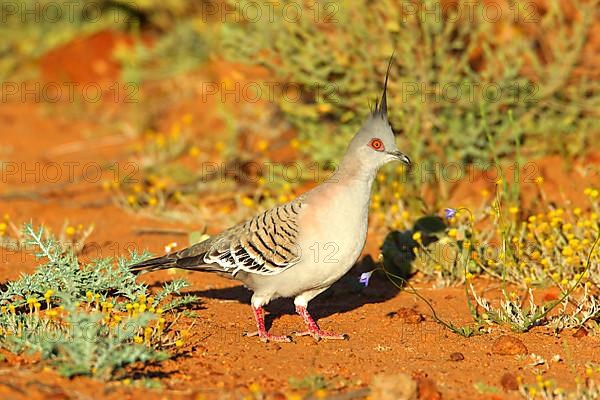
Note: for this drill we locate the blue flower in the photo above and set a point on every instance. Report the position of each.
(364, 278)
(450, 212)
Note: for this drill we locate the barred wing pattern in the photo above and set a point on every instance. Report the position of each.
(265, 245)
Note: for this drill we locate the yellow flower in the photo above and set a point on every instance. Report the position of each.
(70, 231)
(527, 280)
(417, 237)
(567, 251)
(513, 210)
(254, 388)
(324, 108)
(187, 118)
(262, 145)
(452, 233)
(295, 143)
(194, 151)
(247, 201)
(469, 276)
(179, 343)
(219, 146)
(539, 180)
(152, 201)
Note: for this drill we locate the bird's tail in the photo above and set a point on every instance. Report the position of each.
(154, 264)
(191, 258)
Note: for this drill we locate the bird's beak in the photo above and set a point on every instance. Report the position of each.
(401, 157)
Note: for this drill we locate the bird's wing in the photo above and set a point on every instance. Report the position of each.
(265, 245)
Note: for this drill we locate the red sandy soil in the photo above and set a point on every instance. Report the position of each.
(217, 361)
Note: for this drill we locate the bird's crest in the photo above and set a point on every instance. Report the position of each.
(381, 107)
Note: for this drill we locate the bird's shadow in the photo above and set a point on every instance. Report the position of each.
(345, 295)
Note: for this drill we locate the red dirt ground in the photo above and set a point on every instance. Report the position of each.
(218, 362)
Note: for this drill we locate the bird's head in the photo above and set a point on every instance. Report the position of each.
(374, 144)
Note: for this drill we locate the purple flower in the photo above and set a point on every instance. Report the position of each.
(364, 278)
(450, 212)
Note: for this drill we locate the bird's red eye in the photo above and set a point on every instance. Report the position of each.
(377, 145)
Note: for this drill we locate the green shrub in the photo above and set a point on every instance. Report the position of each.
(91, 319)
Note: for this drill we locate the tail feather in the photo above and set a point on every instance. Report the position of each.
(191, 258)
(182, 259)
(154, 264)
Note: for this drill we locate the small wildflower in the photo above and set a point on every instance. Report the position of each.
(513, 210)
(247, 201)
(254, 388)
(453, 233)
(324, 108)
(194, 151)
(262, 145)
(170, 247)
(449, 213)
(70, 231)
(364, 278)
(417, 237)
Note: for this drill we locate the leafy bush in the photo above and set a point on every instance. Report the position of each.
(338, 63)
(92, 319)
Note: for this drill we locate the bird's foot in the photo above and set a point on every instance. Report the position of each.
(313, 328)
(267, 337)
(262, 333)
(319, 334)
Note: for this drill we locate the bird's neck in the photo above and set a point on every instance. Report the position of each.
(353, 176)
(353, 171)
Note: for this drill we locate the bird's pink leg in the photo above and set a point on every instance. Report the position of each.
(259, 315)
(313, 328)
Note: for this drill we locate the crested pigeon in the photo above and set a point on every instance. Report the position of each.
(276, 253)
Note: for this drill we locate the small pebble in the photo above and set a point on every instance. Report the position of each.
(509, 346)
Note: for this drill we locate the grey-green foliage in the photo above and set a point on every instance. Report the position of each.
(63, 274)
(177, 51)
(448, 75)
(81, 344)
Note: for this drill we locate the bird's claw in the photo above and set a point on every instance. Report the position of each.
(318, 335)
(267, 337)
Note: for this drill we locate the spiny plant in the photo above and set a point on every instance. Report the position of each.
(91, 319)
